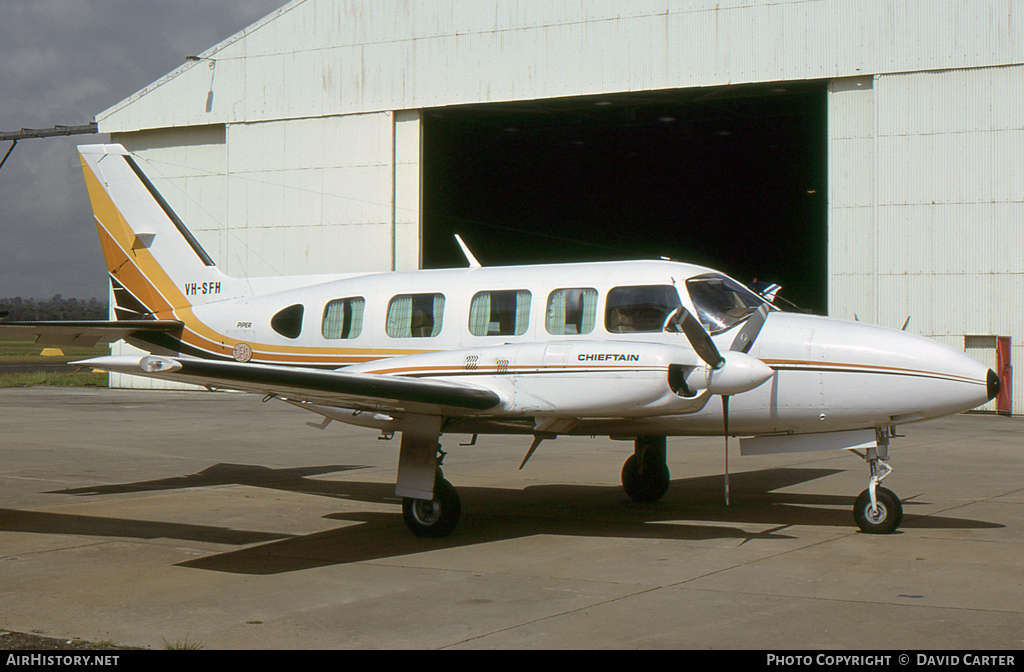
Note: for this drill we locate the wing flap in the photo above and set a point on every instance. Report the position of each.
(333, 388)
(86, 333)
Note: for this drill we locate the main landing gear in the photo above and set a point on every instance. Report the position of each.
(435, 517)
(430, 504)
(645, 475)
(878, 510)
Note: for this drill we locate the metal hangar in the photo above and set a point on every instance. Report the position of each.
(866, 156)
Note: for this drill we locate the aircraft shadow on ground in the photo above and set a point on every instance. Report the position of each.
(693, 510)
(41, 522)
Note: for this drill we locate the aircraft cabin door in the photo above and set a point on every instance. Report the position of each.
(1004, 402)
(994, 352)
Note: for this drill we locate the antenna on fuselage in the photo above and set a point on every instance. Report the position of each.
(473, 263)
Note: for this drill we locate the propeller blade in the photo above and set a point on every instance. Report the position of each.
(699, 339)
(750, 331)
(725, 416)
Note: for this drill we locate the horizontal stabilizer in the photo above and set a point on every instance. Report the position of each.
(86, 333)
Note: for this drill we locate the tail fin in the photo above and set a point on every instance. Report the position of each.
(156, 265)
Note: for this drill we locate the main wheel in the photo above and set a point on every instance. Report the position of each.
(885, 518)
(645, 482)
(435, 517)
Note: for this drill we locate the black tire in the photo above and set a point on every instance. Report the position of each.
(884, 521)
(435, 517)
(646, 484)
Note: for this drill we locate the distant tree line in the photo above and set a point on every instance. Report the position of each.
(55, 308)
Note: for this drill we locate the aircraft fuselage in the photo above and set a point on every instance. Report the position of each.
(555, 350)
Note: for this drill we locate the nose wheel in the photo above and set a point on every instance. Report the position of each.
(882, 517)
(878, 510)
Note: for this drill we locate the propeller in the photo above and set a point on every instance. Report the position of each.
(727, 375)
(742, 343)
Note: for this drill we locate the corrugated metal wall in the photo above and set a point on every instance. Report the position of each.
(927, 209)
(294, 146)
(322, 57)
(851, 198)
(951, 203)
(320, 195)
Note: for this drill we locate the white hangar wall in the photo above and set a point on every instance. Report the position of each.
(310, 195)
(294, 146)
(926, 205)
(315, 58)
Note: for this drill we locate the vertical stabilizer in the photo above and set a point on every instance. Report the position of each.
(157, 267)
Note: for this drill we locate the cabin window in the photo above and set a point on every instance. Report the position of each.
(721, 301)
(288, 322)
(640, 308)
(415, 315)
(500, 313)
(343, 318)
(571, 311)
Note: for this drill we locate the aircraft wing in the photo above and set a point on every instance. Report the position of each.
(87, 332)
(366, 391)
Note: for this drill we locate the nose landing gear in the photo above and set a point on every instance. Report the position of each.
(878, 510)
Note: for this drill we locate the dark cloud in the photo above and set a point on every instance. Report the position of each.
(63, 62)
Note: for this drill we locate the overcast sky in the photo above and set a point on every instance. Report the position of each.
(63, 62)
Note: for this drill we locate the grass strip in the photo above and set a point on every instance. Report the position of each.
(37, 378)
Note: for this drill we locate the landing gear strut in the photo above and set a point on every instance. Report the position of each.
(430, 504)
(878, 510)
(645, 475)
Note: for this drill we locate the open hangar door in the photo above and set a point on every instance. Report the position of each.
(730, 177)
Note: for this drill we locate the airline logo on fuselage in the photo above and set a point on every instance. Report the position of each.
(608, 357)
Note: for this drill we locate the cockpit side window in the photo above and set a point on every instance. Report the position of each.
(639, 308)
(721, 301)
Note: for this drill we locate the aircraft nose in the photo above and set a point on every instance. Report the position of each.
(994, 385)
(883, 372)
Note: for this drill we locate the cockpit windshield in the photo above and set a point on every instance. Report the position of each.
(720, 301)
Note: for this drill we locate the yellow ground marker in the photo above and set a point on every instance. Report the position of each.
(52, 352)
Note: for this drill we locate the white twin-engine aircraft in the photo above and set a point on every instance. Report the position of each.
(631, 350)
